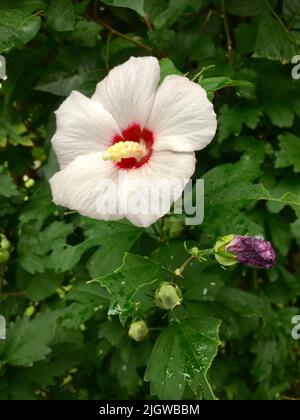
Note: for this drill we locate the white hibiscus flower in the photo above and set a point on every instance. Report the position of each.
(135, 127)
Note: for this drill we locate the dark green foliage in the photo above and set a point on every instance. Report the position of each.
(231, 337)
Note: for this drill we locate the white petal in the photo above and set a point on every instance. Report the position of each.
(83, 127)
(129, 90)
(99, 190)
(182, 118)
(86, 184)
(164, 178)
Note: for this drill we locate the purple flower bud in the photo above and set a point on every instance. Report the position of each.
(253, 252)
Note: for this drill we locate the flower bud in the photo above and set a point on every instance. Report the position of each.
(174, 226)
(253, 252)
(247, 250)
(4, 242)
(138, 331)
(168, 296)
(195, 252)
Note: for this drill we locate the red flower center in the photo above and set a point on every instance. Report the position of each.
(137, 134)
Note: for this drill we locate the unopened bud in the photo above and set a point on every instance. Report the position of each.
(253, 252)
(138, 331)
(4, 242)
(174, 226)
(168, 296)
(247, 250)
(195, 252)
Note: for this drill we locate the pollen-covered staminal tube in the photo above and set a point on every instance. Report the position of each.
(126, 150)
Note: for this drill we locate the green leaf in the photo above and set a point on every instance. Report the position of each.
(39, 206)
(87, 300)
(17, 28)
(62, 84)
(130, 359)
(289, 154)
(132, 286)
(214, 84)
(26, 6)
(291, 13)
(86, 33)
(61, 15)
(267, 359)
(281, 104)
(202, 282)
(28, 341)
(15, 132)
(47, 249)
(273, 41)
(296, 230)
(181, 357)
(193, 47)
(38, 286)
(223, 180)
(67, 73)
(231, 120)
(177, 9)
(171, 254)
(7, 186)
(245, 303)
(230, 188)
(244, 7)
(245, 35)
(114, 239)
(167, 68)
(280, 233)
(286, 192)
(112, 331)
(137, 5)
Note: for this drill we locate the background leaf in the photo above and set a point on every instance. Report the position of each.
(181, 357)
(137, 5)
(61, 16)
(131, 286)
(17, 28)
(28, 341)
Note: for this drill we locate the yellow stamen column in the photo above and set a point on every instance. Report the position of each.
(125, 150)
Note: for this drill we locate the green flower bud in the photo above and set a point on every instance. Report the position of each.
(138, 331)
(4, 256)
(195, 252)
(174, 226)
(168, 296)
(226, 259)
(4, 242)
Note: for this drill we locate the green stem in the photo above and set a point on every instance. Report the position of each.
(255, 278)
(148, 23)
(279, 20)
(181, 269)
(107, 51)
(201, 256)
(121, 35)
(12, 294)
(227, 33)
(200, 74)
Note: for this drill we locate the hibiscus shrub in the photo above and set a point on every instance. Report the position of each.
(109, 310)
